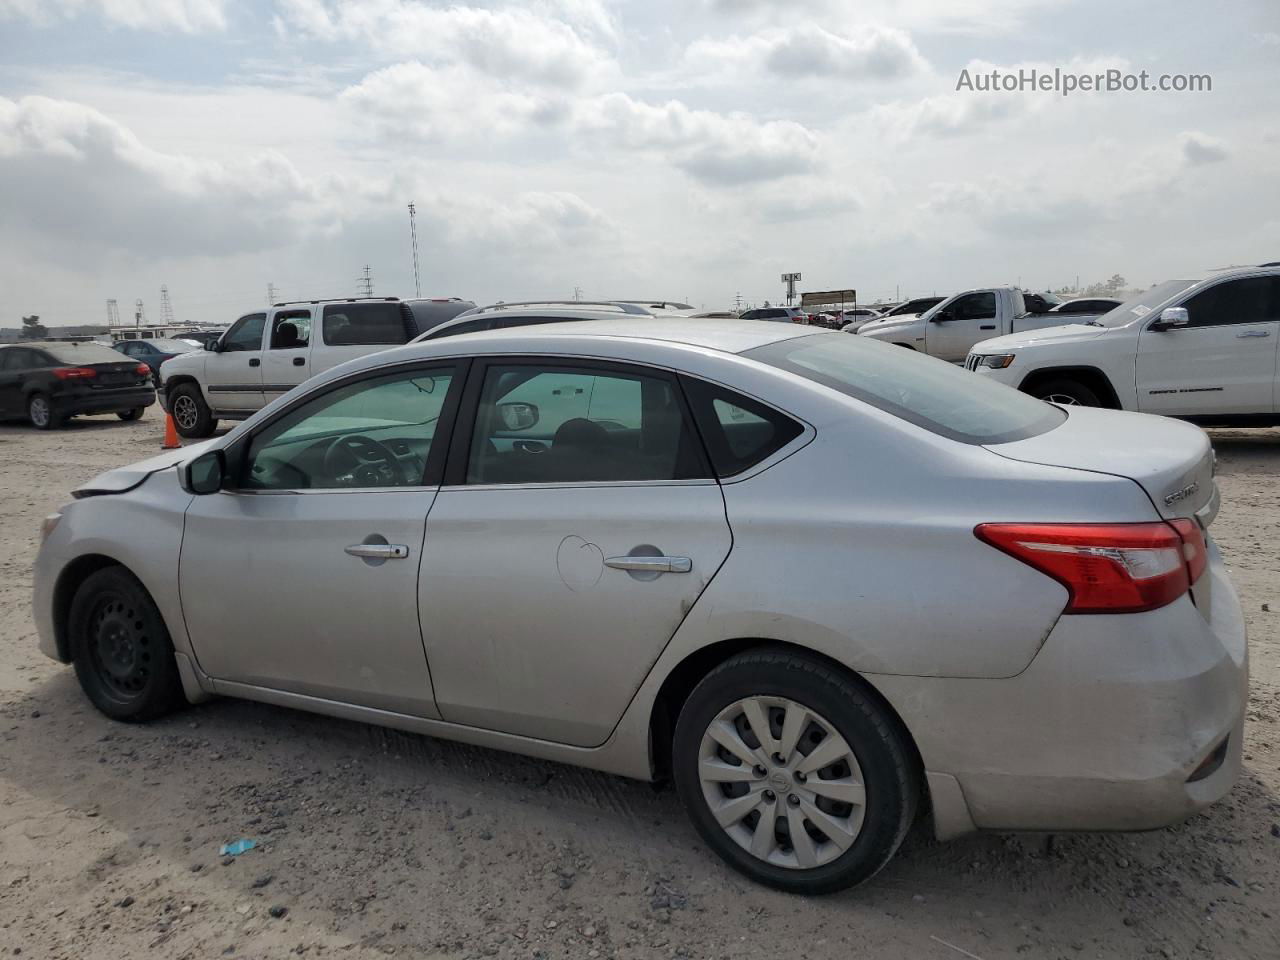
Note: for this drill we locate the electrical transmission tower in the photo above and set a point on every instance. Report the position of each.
(737, 302)
(113, 314)
(166, 306)
(364, 283)
(139, 313)
(413, 235)
(271, 294)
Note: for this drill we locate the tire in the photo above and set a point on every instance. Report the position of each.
(134, 414)
(870, 748)
(121, 648)
(41, 413)
(191, 415)
(1066, 392)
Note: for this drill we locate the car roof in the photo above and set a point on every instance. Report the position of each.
(551, 315)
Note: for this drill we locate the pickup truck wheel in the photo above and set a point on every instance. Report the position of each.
(1066, 393)
(191, 415)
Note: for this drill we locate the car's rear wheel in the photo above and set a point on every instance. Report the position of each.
(191, 415)
(134, 414)
(793, 773)
(1067, 393)
(41, 413)
(121, 648)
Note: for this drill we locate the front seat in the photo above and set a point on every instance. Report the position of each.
(287, 337)
(579, 451)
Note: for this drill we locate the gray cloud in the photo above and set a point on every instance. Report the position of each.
(1199, 149)
(809, 50)
(186, 16)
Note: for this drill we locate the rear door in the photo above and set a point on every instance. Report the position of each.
(233, 375)
(578, 523)
(967, 320)
(13, 362)
(1224, 362)
(286, 360)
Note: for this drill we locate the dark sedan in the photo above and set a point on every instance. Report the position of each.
(154, 352)
(49, 382)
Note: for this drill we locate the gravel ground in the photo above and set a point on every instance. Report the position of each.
(373, 842)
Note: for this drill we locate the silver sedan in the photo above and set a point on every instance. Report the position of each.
(820, 583)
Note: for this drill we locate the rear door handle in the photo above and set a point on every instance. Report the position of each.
(651, 564)
(378, 551)
(1253, 333)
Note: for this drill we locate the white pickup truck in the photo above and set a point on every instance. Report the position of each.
(264, 355)
(950, 329)
(1203, 349)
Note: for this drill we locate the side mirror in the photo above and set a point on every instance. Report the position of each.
(943, 316)
(211, 345)
(204, 474)
(1172, 318)
(517, 416)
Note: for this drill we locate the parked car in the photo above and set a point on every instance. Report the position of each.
(265, 354)
(776, 314)
(851, 321)
(912, 307)
(685, 592)
(47, 382)
(154, 352)
(950, 329)
(198, 338)
(1041, 302)
(1203, 349)
(1093, 306)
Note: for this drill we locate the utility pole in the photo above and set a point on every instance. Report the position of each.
(364, 283)
(166, 306)
(737, 301)
(113, 314)
(139, 314)
(271, 294)
(413, 235)
(577, 293)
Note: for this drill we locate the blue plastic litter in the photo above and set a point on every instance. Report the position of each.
(237, 847)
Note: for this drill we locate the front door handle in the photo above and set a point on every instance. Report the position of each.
(1253, 333)
(255, 362)
(378, 551)
(299, 361)
(651, 564)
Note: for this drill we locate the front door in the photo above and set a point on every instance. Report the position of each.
(578, 525)
(304, 578)
(970, 319)
(286, 360)
(234, 373)
(1224, 362)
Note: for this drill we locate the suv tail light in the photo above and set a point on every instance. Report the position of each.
(75, 373)
(1108, 567)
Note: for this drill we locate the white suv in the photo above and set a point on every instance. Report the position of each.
(1202, 349)
(265, 354)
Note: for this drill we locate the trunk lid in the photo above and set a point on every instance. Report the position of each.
(112, 376)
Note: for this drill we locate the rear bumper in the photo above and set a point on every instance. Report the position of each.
(1107, 729)
(105, 401)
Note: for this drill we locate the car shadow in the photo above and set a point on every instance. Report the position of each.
(363, 828)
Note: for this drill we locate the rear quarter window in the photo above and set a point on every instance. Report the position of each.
(378, 322)
(927, 392)
(738, 431)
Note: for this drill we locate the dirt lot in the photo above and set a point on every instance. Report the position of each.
(373, 842)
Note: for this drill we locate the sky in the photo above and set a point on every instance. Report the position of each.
(678, 149)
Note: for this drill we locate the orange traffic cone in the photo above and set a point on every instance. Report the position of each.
(171, 441)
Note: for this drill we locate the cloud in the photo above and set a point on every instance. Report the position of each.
(512, 44)
(808, 50)
(186, 16)
(1199, 149)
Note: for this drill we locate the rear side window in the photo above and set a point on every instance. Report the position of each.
(82, 353)
(738, 431)
(377, 322)
(1251, 300)
(924, 391)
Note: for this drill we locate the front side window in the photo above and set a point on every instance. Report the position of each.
(245, 333)
(372, 433)
(553, 424)
(975, 306)
(290, 329)
(1251, 300)
(924, 391)
(368, 322)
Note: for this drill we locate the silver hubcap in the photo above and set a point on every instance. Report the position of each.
(39, 411)
(782, 782)
(185, 412)
(1062, 400)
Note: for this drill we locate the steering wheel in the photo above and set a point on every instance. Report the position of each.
(369, 463)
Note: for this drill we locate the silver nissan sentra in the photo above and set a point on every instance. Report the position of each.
(819, 582)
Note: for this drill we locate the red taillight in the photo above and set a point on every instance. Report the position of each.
(142, 370)
(1107, 567)
(75, 373)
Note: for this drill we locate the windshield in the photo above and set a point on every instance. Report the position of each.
(165, 345)
(930, 393)
(1143, 303)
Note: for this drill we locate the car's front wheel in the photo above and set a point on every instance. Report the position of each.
(1067, 393)
(191, 415)
(793, 773)
(121, 648)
